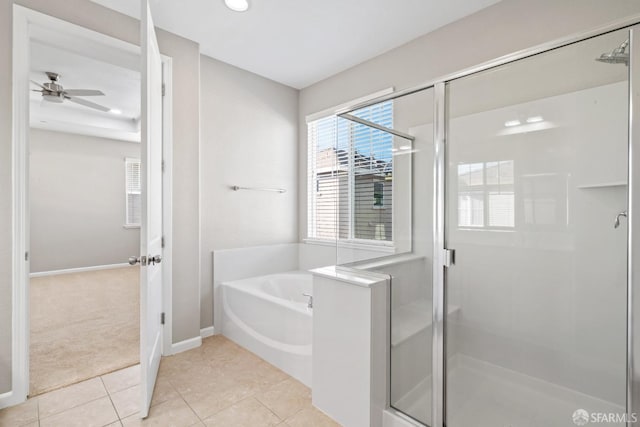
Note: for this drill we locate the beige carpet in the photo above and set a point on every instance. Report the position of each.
(83, 325)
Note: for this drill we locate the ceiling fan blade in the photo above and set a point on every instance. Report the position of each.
(38, 84)
(83, 92)
(87, 103)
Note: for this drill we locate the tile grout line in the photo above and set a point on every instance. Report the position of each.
(111, 400)
(68, 409)
(284, 420)
(218, 364)
(269, 409)
(185, 401)
(108, 394)
(290, 416)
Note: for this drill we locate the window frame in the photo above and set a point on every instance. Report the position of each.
(312, 188)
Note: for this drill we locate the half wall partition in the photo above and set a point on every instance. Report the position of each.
(509, 203)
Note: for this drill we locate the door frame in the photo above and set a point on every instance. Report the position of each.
(22, 19)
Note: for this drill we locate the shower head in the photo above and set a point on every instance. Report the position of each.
(617, 55)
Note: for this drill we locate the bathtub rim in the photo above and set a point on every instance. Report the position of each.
(256, 291)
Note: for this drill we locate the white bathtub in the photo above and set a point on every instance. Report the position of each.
(268, 315)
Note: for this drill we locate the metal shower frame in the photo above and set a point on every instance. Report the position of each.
(442, 257)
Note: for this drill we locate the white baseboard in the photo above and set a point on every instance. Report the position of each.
(78, 270)
(185, 345)
(207, 332)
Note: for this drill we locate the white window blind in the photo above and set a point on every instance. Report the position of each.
(133, 192)
(350, 176)
(486, 195)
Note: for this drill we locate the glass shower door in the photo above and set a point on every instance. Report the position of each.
(536, 194)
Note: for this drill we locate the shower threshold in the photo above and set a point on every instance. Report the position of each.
(485, 395)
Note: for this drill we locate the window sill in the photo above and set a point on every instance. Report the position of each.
(498, 229)
(130, 226)
(383, 247)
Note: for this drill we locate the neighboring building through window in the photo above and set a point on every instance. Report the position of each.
(133, 193)
(350, 172)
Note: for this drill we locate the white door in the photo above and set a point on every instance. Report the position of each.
(151, 227)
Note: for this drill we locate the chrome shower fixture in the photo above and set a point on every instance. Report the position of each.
(618, 55)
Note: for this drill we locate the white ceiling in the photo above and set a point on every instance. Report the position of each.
(298, 42)
(84, 63)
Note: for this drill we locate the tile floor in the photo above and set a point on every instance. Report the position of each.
(217, 384)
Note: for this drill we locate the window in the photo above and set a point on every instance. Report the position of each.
(378, 194)
(486, 195)
(350, 175)
(133, 193)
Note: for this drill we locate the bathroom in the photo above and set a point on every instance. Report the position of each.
(439, 234)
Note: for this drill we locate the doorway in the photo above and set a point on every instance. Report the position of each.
(85, 210)
(29, 26)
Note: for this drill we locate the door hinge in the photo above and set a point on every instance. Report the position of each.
(162, 166)
(162, 318)
(162, 242)
(164, 90)
(26, 256)
(449, 256)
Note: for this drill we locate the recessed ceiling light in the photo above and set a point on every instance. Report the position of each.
(115, 111)
(535, 119)
(511, 123)
(237, 5)
(405, 147)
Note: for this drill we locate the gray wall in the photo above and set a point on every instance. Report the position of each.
(77, 192)
(186, 128)
(503, 28)
(249, 138)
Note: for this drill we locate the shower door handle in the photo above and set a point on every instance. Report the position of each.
(616, 224)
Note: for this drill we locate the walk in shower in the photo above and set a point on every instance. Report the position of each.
(498, 201)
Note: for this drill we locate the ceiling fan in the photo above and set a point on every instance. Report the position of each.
(53, 91)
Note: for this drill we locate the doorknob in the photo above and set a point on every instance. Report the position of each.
(133, 260)
(153, 260)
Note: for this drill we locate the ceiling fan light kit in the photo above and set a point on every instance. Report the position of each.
(52, 91)
(52, 97)
(237, 5)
